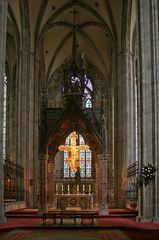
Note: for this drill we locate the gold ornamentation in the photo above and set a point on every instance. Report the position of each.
(73, 151)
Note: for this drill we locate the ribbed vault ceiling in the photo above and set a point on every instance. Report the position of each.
(51, 21)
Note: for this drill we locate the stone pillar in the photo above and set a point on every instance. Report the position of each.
(25, 116)
(11, 116)
(3, 21)
(103, 202)
(148, 21)
(97, 191)
(43, 182)
(125, 153)
(125, 136)
(103, 160)
(39, 84)
(51, 190)
(123, 114)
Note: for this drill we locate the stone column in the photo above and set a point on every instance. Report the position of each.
(103, 202)
(148, 21)
(39, 84)
(103, 160)
(43, 182)
(3, 21)
(123, 114)
(51, 190)
(97, 191)
(124, 154)
(25, 116)
(11, 116)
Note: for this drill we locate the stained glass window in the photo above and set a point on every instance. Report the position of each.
(4, 116)
(88, 90)
(66, 166)
(85, 158)
(88, 103)
(75, 81)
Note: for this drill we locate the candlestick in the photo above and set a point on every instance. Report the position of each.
(89, 189)
(68, 188)
(77, 189)
(56, 188)
(83, 188)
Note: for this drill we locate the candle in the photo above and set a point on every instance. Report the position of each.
(77, 189)
(68, 189)
(89, 187)
(83, 188)
(62, 187)
(56, 188)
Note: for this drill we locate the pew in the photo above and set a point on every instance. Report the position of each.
(68, 214)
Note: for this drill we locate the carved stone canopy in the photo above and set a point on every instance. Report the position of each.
(71, 119)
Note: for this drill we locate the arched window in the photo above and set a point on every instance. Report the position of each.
(74, 85)
(85, 159)
(4, 116)
(88, 91)
(88, 103)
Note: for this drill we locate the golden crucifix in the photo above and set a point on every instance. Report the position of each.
(73, 151)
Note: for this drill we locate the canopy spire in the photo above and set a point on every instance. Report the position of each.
(74, 45)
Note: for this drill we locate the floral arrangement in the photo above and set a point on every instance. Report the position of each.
(147, 174)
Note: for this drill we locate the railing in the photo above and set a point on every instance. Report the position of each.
(54, 215)
(13, 181)
(132, 183)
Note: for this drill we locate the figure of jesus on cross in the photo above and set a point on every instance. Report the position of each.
(73, 151)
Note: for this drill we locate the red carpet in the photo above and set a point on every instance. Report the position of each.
(139, 234)
(49, 234)
(114, 221)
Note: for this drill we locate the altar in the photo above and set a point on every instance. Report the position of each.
(81, 201)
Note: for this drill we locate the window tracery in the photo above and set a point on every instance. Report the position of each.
(85, 160)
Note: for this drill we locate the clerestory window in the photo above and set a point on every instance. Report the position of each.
(88, 91)
(4, 116)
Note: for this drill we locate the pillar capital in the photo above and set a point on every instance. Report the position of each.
(124, 52)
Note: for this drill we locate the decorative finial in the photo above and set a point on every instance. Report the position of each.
(74, 46)
(104, 125)
(84, 61)
(43, 97)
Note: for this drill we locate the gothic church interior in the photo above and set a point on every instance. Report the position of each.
(79, 99)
